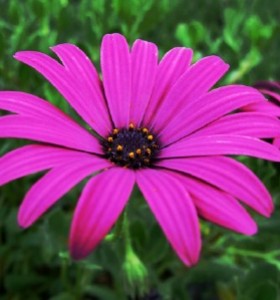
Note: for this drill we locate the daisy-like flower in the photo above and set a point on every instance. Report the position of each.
(153, 124)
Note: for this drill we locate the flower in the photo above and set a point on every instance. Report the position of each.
(153, 124)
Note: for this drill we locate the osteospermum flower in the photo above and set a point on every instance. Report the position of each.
(153, 124)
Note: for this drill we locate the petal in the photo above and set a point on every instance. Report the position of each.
(195, 82)
(270, 85)
(34, 158)
(174, 210)
(221, 145)
(227, 175)
(263, 107)
(102, 201)
(78, 64)
(48, 132)
(276, 142)
(252, 124)
(116, 71)
(55, 184)
(63, 80)
(202, 111)
(219, 207)
(144, 56)
(32, 106)
(174, 63)
(271, 94)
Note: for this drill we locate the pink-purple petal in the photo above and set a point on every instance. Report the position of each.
(219, 207)
(202, 111)
(221, 144)
(272, 94)
(144, 58)
(263, 107)
(55, 184)
(193, 84)
(228, 175)
(173, 64)
(48, 132)
(102, 201)
(77, 63)
(116, 72)
(174, 210)
(253, 124)
(65, 82)
(32, 106)
(34, 158)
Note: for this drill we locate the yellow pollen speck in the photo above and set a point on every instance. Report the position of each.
(119, 148)
(138, 151)
(116, 131)
(145, 130)
(148, 151)
(131, 126)
(110, 139)
(150, 137)
(131, 154)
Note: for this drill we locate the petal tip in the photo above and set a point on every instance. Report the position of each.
(22, 222)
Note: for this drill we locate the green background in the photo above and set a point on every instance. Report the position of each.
(34, 264)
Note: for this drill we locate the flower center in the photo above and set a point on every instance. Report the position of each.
(133, 147)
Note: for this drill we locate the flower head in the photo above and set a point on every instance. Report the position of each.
(154, 124)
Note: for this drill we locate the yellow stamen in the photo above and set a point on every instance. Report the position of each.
(131, 155)
(119, 148)
(116, 131)
(148, 151)
(138, 151)
(110, 139)
(131, 126)
(150, 137)
(145, 130)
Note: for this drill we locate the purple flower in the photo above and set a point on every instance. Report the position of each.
(153, 124)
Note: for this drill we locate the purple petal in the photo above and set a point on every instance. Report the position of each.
(221, 145)
(34, 158)
(263, 107)
(252, 124)
(48, 132)
(174, 210)
(220, 208)
(276, 142)
(116, 71)
(79, 65)
(55, 184)
(174, 63)
(102, 201)
(193, 84)
(144, 56)
(32, 106)
(65, 82)
(227, 175)
(202, 111)
(271, 85)
(272, 94)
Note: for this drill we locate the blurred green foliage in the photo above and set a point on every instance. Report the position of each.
(34, 264)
